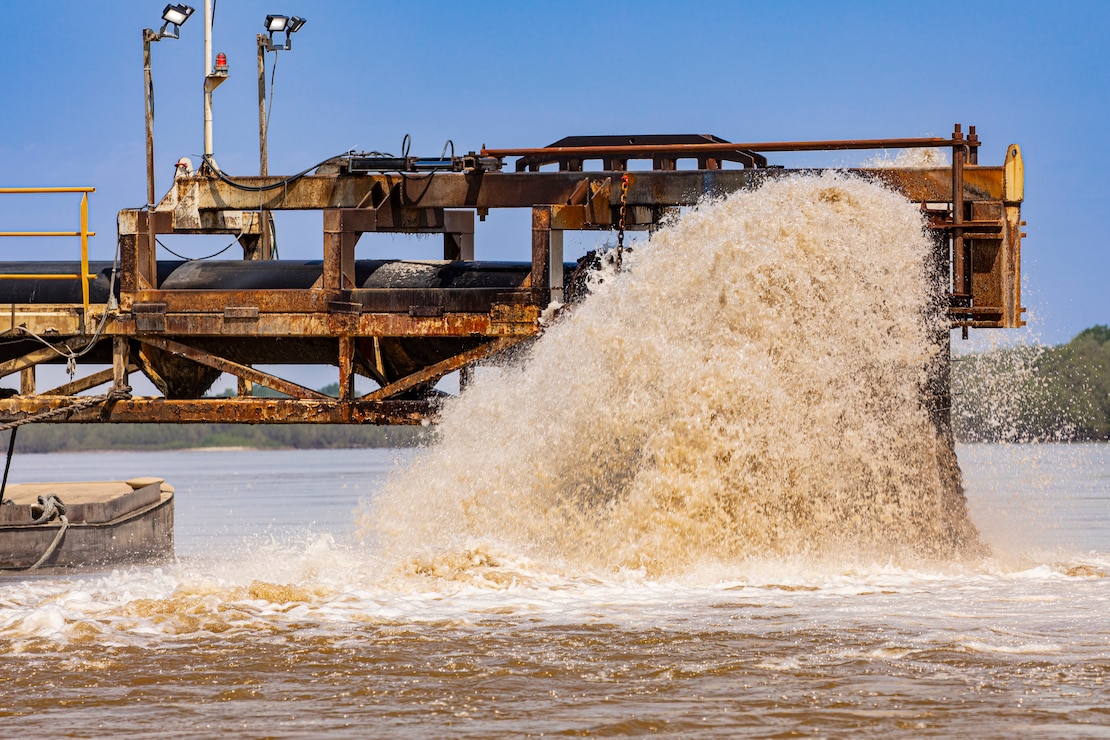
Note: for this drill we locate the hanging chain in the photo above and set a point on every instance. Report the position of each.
(620, 225)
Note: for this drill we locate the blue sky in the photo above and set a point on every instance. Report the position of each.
(363, 74)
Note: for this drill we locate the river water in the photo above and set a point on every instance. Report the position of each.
(276, 621)
(707, 502)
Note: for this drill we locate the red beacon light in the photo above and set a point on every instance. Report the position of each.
(221, 63)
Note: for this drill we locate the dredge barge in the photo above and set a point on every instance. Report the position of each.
(404, 324)
(407, 324)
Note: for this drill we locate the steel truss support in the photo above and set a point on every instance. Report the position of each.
(410, 335)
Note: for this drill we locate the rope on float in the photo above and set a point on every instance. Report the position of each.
(47, 509)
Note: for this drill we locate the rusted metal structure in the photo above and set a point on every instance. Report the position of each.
(406, 324)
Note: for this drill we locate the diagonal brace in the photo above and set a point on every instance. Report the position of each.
(83, 384)
(247, 373)
(42, 355)
(437, 371)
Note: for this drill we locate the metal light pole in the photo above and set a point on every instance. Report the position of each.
(173, 15)
(148, 95)
(263, 158)
(274, 24)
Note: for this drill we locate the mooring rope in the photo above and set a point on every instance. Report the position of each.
(116, 394)
(47, 509)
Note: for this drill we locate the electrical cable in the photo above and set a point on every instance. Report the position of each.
(406, 145)
(270, 105)
(109, 309)
(449, 144)
(272, 186)
(194, 259)
(273, 237)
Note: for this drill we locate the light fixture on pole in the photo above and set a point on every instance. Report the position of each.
(174, 15)
(279, 24)
(274, 24)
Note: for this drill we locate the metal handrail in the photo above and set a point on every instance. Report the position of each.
(84, 234)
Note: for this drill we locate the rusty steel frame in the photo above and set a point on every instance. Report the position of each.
(227, 410)
(973, 210)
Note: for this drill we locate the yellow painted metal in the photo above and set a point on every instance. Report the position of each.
(42, 276)
(1014, 180)
(47, 233)
(83, 234)
(85, 251)
(47, 190)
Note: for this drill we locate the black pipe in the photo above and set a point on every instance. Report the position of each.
(258, 275)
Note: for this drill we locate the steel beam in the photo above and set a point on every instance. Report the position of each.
(525, 190)
(973, 211)
(226, 410)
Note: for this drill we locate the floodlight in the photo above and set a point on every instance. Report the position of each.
(276, 23)
(282, 24)
(174, 15)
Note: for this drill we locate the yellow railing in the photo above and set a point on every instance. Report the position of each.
(84, 234)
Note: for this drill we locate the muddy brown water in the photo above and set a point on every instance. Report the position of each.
(275, 621)
(708, 502)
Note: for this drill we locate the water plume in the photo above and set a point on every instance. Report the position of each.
(749, 387)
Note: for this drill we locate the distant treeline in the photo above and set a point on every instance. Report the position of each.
(1026, 394)
(74, 437)
(1018, 394)
(77, 437)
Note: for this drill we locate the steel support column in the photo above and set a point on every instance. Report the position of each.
(547, 257)
(121, 360)
(339, 252)
(346, 369)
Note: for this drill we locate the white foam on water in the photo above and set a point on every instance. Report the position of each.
(329, 586)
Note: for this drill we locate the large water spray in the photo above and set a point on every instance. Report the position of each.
(751, 385)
